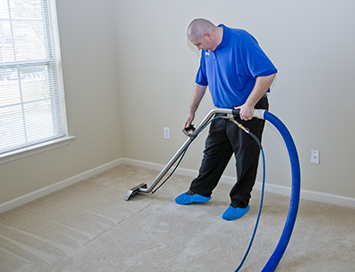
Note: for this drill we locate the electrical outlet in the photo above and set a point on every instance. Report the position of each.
(315, 156)
(166, 133)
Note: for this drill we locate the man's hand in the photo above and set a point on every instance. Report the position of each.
(189, 119)
(246, 111)
(262, 84)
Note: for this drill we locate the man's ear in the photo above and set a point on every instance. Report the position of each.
(208, 35)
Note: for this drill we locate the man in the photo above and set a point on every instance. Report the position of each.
(238, 74)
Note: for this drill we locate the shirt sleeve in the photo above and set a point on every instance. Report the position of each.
(257, 61)
(201, 78)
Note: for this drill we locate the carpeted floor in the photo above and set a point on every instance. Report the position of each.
(89, 227)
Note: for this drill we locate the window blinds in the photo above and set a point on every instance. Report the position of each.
(31, 104)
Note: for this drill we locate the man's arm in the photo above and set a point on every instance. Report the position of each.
(262, 84)
(197, 94)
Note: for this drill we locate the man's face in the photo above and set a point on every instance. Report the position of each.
(203, 43)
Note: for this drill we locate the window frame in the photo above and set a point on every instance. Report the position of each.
(52, 63)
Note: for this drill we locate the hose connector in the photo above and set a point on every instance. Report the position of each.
(259, 113)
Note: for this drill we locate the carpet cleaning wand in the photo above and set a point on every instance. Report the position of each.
(192, 134)
(295, 167)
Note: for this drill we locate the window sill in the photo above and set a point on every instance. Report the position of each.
(28, 151)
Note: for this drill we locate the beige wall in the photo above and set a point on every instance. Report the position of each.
(310, 42)
(129, 71)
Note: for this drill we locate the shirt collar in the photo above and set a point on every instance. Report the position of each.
(225, 37)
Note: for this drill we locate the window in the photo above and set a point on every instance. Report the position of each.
(31, 94)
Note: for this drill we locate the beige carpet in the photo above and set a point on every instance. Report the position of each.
(89, 227)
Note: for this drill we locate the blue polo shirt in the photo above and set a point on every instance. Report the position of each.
(231, 69)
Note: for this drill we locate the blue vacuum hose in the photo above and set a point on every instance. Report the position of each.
(295, 193)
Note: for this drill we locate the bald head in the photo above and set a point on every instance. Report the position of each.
(204, 35)
(199, 27)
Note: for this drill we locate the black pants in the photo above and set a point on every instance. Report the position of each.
(224, 139)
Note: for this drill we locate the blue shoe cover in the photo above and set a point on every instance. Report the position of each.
(185, 199)
(234, 213)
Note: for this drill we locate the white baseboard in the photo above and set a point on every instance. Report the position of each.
(281, 190)
(328, 198)
(57, 186)
(272, 188)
